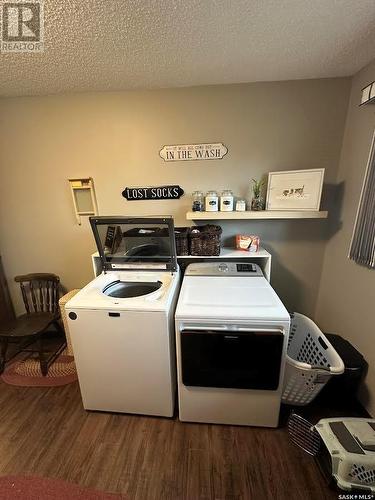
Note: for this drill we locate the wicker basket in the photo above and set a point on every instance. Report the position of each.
(205, 240)
(181, 235)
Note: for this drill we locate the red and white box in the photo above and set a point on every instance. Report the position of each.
(247, 242)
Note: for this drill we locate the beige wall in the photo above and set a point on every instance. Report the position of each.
(116, 137)
(346, 302)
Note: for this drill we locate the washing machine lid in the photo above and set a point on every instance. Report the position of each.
(135, 243)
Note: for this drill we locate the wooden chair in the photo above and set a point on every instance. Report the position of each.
(40, 293)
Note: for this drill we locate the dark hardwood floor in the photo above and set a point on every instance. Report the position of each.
(46, 432)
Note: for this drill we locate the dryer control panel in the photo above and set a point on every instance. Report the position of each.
(224, 269)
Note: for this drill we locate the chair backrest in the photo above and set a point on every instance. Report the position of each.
(40, 292)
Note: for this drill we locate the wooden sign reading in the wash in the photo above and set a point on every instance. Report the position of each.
(190, 152)
(153, 193)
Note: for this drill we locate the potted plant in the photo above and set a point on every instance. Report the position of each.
(257, 202)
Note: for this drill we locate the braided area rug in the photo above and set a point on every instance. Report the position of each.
(26, 373)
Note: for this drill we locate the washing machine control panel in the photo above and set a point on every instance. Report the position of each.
(223, 269)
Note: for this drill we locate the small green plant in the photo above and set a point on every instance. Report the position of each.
(257, 187)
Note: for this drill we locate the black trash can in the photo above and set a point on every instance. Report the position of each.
(343, 388)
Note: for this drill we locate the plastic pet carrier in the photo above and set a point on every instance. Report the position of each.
(344, 449)
(310, 362)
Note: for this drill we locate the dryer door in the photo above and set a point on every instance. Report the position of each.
(231, 359)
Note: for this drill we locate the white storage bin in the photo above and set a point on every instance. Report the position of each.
(310, 362)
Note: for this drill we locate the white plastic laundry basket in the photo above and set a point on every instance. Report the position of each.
(310, 362)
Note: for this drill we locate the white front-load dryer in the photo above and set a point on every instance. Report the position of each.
(231, 339)
(122, 323)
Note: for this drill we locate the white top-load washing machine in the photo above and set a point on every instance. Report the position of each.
(122, 323)
(231, 338)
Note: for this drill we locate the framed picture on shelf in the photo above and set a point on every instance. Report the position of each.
(295, 189)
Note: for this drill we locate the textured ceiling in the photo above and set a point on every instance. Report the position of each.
(126, 44)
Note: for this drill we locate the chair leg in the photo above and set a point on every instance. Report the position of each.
(42, 360)
(4, 348)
